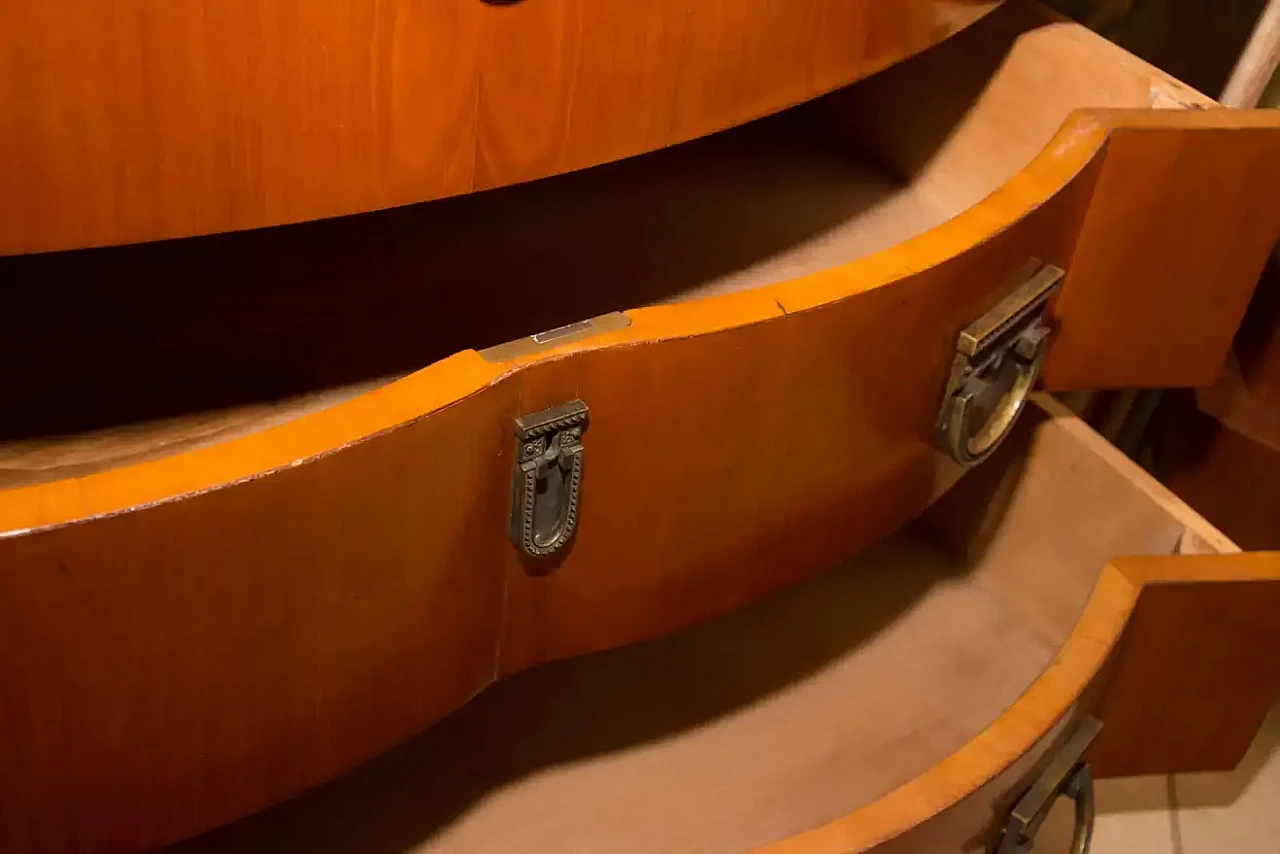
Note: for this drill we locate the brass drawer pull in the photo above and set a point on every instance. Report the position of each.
(997, 362)
(1068, 776)
(547, 478)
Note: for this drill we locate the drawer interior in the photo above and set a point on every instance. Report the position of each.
(128, 353)
(779, 717)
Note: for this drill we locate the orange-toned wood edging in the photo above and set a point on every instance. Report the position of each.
(1080, 142)
(141, 120)
(1129, 598)
(188, 639)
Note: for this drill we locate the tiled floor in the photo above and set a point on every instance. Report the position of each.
(1232, 813)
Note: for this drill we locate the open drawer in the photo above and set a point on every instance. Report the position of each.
(248, 540)
(904, 699)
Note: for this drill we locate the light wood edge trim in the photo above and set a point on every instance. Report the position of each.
(1050, 698)
(451, 380)
(1016, 731)
(117, 490)
(1210, 118)
(1183, 569)
(1196, 525)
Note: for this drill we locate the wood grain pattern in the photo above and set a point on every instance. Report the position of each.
(846, 693)
(140, 120)
(570, 83)
(317, 562)
(1192, 700)
(687, 368)
(124, 639)
(1195, 216)
(822, 496)
(823, 39)
(1118, 287)
(769, 202)
(212, 542)
(998, 764)
(957, 795)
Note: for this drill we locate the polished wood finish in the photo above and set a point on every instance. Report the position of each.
(121, 641)
(140, 120)
(684, 367)
(257, 592)
(276, 323)
(700, 219)
(909, 695)
(1192, 700)
(1143, 172)
(1129, 622)
(1171, 729)
(1117, 288)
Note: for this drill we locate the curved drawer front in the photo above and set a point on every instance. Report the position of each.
(194, 637)
(141, 121)
(900, 702)
(189, 638)
(313, 594)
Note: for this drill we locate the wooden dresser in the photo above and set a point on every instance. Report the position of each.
(586, 426)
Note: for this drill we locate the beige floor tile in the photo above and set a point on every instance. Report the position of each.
(1237, 812)
(1133, 818)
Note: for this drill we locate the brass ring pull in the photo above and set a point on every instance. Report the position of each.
(995, 393)
(998, 360)
(1067, 776)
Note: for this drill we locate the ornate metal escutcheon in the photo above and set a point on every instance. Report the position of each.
(547, 478)
(1067, 776)
(997, 362)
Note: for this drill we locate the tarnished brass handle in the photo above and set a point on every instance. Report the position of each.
(997, 363)
(1067, 776)
(1080, 790)
(993, 397)
(546, 480)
